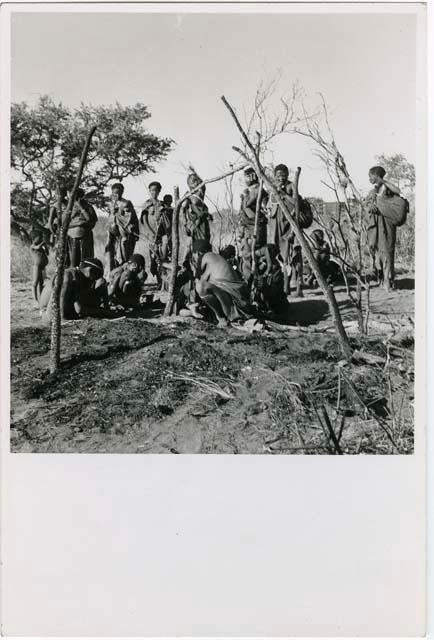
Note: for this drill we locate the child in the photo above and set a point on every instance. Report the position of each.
(40, 253)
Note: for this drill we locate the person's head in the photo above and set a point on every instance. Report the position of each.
(376, 174)
(281, 173)
(228, 253)
(193, 181)
(92, 268)
(200, 247)
(167, 200)
(136, 263)
(250, 176)
(318, 235)
(154, 189)
(117, 190)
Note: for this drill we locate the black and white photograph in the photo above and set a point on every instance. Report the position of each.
(212, 222)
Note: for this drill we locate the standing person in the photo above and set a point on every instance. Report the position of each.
(162, 211)
(195, 212)
(249, 203)
(40, 253)
(53, 216)
(280, 231)
(122, 229)
(386, 210)
(80, 231)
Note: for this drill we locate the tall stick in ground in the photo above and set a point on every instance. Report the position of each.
(60, 260)
(175, 254)
(252, 156)
(255, 231)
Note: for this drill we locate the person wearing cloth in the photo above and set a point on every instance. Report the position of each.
(249, 203)
(280, 231)
(162, 211)
(126, 281)
(218, 286)
(321, 253)
(195, 212)
(40, 253)
(80, 234)
(268, 286)
(386, 210)
(83, 293)
(123, 228)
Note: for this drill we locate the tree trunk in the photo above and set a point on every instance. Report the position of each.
(175, 254)
(60, 259)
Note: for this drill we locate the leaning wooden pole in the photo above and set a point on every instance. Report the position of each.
(175, 253)
(293, 221)
(60, 259)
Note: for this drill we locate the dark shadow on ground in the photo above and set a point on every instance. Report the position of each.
(406, 284)
(305, 311)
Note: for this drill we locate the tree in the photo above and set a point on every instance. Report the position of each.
(46, 142)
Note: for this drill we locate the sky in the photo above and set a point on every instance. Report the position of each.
(180, 64)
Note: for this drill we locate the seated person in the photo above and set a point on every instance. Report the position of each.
(269, 281)
(83, 292)
(126, 281)
(230, 255)
(218, 286)
(321, 252)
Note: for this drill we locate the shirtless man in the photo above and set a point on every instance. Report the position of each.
(249, 200)
(122, 229)
(83, 293)
(125, 282)
(219, 286)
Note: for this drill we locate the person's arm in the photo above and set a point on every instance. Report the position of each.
(114, 284)
(145, 218)
(265, 251)
(392, 187)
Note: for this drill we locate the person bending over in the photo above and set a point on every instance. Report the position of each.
(126, 281)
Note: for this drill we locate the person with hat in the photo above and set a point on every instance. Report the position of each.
(126, 282)
(82, 294)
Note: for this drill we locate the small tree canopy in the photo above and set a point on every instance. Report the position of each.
(398, 169)
(46, 142)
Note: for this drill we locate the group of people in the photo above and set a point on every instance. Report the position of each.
(252, 276)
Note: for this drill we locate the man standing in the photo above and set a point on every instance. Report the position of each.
(386, 210)
(195, 212)
(123, 227)
(280, 231)
(249, 204)
(80, 234)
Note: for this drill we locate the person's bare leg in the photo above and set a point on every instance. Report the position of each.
(206, 295)
(35, 282)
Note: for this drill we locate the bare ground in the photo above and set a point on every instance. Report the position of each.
(148, 385)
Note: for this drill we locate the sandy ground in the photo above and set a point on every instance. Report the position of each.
(148, 385)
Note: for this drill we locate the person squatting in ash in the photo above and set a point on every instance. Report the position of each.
(83, 293)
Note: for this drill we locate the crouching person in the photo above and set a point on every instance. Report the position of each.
(218, 286)
(83, 293)
(126, 282)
